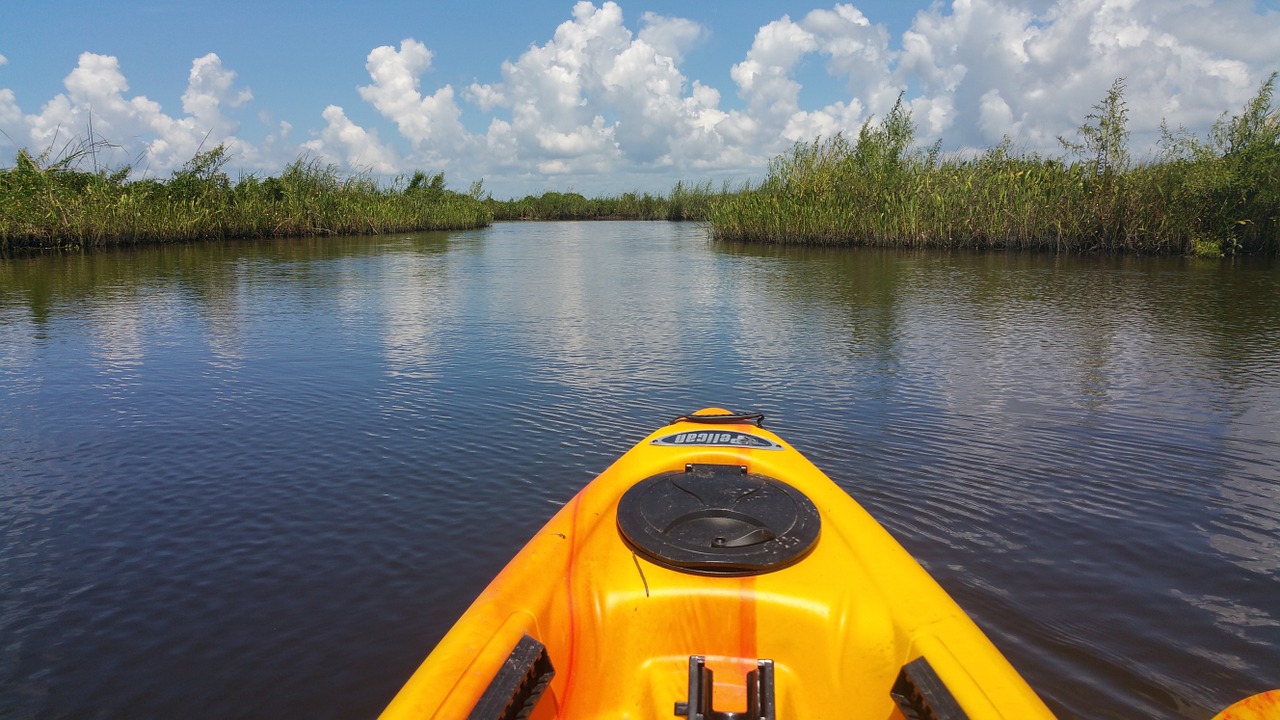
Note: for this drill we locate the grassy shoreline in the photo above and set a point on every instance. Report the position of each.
(52, 205)
(1210, 197)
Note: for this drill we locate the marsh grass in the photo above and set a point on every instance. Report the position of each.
(52, 204)
(1212, 196)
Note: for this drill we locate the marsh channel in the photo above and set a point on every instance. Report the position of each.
(261, 479)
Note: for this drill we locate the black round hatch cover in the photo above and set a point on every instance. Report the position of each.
(718, 520)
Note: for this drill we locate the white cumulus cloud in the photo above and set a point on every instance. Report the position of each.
(209, 88)
(351, 145)
(96, 103)
(669, 36)
(10, 113)
(597, 97)
(1033, 70)
(857, 54)
(431, 123)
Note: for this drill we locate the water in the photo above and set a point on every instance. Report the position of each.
(260, 480)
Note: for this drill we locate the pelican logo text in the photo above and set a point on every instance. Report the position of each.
(717, 438)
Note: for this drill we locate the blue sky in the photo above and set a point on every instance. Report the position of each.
(603, 97)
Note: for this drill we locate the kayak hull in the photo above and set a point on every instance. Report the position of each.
(838, 624)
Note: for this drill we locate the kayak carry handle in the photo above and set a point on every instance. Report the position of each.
(519, 684)
(721, 418)
(760, 696)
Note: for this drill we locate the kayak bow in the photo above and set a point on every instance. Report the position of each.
(713, 572)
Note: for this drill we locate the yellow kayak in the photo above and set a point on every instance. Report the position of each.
(714, 573)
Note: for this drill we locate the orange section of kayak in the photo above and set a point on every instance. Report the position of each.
(839, 624)
(1263, 706)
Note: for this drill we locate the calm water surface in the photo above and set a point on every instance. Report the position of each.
(261, 480)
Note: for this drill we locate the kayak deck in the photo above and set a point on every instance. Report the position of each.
(618, 633)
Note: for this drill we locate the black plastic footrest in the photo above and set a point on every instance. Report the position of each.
(920, 694)
(515, 690)
(760, 698)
